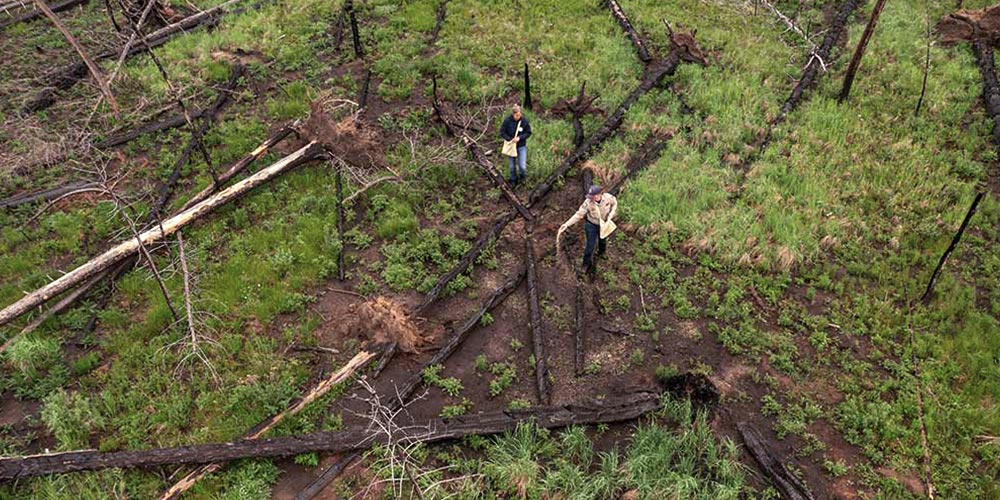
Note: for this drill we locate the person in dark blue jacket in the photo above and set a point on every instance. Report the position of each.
(509, 130)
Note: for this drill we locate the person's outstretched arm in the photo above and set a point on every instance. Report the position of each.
(614, 208)
(579, 215)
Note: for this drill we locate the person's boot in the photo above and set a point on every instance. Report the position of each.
(591, 272)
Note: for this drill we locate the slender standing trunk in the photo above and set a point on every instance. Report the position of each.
(859, 52)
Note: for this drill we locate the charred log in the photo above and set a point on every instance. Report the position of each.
(45, 194)
(527, 88)
(359, 50)
(35, 14)
(535, 322)
(812, 71)
(612, 409)
(790, 486)
(623, 21)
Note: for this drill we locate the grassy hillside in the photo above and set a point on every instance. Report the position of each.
(787, 272)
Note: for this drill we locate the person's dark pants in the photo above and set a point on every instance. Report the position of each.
(593, 232)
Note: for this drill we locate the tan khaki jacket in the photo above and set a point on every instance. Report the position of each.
(594, 212)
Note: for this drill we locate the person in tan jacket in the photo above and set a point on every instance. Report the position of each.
(597, 207)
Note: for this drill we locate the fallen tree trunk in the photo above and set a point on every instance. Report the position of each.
(481, 243)
(648, 153)
(495, 177)
(983, 53)
(438, 22)
(172, 121)
(242, 164)
(811, 73)
(859, 52)
(60, 306)
(207, 120)
(612, 409)
(35, 14)
(130, 246)
(359, 361)
(927, 69)
(415, 380)
(790, 486)
(535, 322)
(45, 194)
(67, 78)
(623, 21)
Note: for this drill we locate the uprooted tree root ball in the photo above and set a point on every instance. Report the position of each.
(348, 138)
(386, 321)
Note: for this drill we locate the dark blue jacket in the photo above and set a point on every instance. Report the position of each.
(508, 129)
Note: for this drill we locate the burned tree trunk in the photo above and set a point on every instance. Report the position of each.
(241, 164)
(481, 243)
(991, 100)
(612, 409)
(359, 50)
(579, 305)
(35, 14)
(647, 154)
(928, 293)
(859, 52)
(207, 119)
(403, 393)
(130, 246)
(45, 194)
(365, 86)
(498, 181)
(439, 22)
(527, 88)
(172, 121)
(637, 42)
(790, 486)
(813, 67)
(991, 87)
(359, 361)
(535, 321)
(340, 223)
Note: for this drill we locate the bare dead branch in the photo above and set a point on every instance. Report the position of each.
(94, 70)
